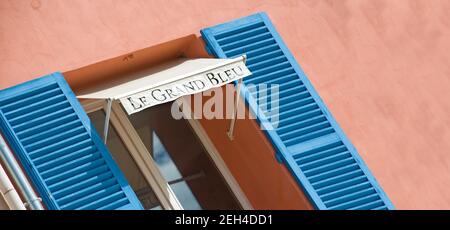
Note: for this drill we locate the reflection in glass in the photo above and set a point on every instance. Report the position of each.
(173, 176)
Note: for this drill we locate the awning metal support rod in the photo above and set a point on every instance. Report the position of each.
(235, 111)
(108, 115)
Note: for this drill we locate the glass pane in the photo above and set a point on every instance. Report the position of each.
(162, 158)
(126, 163)
(171, 173)
(182, 160)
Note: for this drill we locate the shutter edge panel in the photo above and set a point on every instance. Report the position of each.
(129, 193)
(287, 153)
(14, 142)
(18, 95)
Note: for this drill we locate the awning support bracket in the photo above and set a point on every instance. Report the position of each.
(107, 117)
(230, 132)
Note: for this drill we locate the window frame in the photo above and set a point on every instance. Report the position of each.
(138, 151)
(126, 131)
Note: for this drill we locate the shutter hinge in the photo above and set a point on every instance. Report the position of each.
(327, 113)
(358, 161)
(209, 51)
(279, 157)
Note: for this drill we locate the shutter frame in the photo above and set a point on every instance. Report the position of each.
(214, 48)
(21, 152)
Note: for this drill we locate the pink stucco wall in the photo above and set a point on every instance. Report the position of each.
(382, 66)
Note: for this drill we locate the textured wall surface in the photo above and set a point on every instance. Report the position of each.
(382, 67)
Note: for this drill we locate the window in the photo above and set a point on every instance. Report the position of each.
(182, 160)
(126, 163)
(164, 161)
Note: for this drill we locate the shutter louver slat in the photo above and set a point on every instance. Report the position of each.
(314, 148)
(59, 148)
(380, 208)
(254, 55)
(39, 120)
(39, 112)
(83, 145)
(49, 133)
(38, 97)
(65, 198)
(333, 183)
(87, 184)
(347, 188)
(56, 161)
(76, 174)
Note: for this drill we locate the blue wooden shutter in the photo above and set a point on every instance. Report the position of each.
(59, 149)
(307, 138)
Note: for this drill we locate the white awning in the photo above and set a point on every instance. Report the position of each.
(169, 81)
